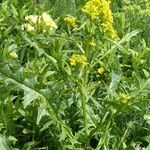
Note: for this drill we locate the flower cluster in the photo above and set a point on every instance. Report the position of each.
(43, 22)
(78, 59)
(70, 20)
(92, 43)
(124, 97)
(13, 55)
(100, 70)
(100, 9)
(92, 8)
(28, 27)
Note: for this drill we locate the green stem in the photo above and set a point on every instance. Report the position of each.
(82, 86)
(123, 138)
(84, 113)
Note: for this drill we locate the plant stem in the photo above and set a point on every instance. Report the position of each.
(84, 112)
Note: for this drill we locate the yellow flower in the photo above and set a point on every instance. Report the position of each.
(109, 30)
(124, 97)
(43, 23)
(100, 70)
(48, 21)
(92, 44)
(92, 8)
(83, 59)
(70, 20)
(32, 19)
(100, 9)
(28, 27)
(78, 59)
(46, 18)
(72, 62)
(13, 55)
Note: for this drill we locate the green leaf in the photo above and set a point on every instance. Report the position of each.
(34, 95)
(46, 126)
(4, 144)
(128, 36)
(40, 50)
(15, 13)
(12, 47)
(63, 135)
(29, 96)
(147, 118)
(41, 112)
(146, 73)
(115, 79)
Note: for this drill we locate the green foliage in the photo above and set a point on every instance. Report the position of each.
(47, 103)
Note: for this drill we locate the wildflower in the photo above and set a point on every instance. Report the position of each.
(48, 21)
(100, 9)
(92, 8)
(100, 70)
(109, 30)
(28, 27)
(92, 44)
(70, 20)
(32, 19)
(124, 97)
(13, 55)
(78, 59)
(41, 23)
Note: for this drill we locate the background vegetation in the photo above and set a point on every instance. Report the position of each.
(74, 87)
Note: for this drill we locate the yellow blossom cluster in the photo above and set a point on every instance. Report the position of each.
(100, 70)
(92, 8)
(78, 59)
(31, 19)
(28, 27)
(124, 97)
(13, 55)
(100, 9)
(92, 43)
(70, 20)
(44, 22)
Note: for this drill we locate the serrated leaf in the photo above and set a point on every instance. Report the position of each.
(12, 47)
(29, 96)
(40, 50)
(46, 125)
(4, 144)
(128, 36)
(12, 139)
(115, 78)
(41, 112)
(15, 13)
(62, 135)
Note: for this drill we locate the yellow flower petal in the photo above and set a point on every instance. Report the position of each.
(13, 55)
(101, 70)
